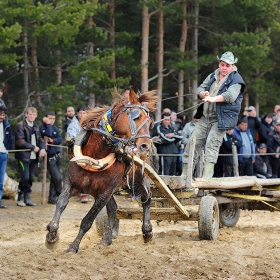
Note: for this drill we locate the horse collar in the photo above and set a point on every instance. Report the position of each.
(105, 123)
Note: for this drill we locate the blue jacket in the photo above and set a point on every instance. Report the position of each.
(237, 134)
(227, 113)
(52, 132)
(8, 137)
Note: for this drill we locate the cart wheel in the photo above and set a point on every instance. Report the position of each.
(229, 215)
(101, 222)
(208, 218)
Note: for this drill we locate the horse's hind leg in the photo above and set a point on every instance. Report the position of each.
(147, 228)
(88, 221)
(63, 199)
(111, 207)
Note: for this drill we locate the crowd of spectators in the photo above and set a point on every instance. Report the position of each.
(257, 140)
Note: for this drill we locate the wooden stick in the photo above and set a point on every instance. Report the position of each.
(43, 201)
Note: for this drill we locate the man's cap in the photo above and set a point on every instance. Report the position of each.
(262, 145)
(277, 122)
(228, 57)
(251, 108)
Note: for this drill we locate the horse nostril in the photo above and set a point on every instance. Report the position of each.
(144, 147)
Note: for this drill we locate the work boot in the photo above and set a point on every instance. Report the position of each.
(184, 171)
(20, 200)
(208, 170)
(27, 200)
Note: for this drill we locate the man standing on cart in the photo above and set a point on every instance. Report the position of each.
(222, 93)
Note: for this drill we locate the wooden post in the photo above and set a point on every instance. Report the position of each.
(235, 161)
(200, 164)
(43, 201)
(190, 162)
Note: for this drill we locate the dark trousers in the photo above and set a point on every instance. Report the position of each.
(227, 170)
(27, 170)
(168, 165)
(246, 167)
(275, 166)
(56, 178)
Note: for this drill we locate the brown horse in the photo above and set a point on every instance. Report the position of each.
(124, 126)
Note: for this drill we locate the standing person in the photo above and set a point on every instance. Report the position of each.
(6, 140)
(273, 146)
(28, 136)
(222, 92)
(69, 116)
(2, 103)
(262, 167)
(265, 128)
(246, 151)
(72, 132)
(126, 92)
(51, 133)
(226, 148)
(254, 122)
(169, 145)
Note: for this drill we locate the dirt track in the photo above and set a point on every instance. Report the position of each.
(251, 250)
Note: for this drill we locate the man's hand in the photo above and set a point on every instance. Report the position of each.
(203, 94)
(209, 99)
(169, 135)
(46, 120)
(36, 149)
(42, 153)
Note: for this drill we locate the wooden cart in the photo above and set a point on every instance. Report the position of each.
(219, 200)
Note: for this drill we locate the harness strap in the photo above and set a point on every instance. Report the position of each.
(94, 165)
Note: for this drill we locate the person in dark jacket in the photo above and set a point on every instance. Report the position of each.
(273, 146)
(246, 152)
(222, 93)
(28, 138)
(226, 148)
(265, 128)
(169, 145)
(6, 140)
(51, 133)
(262, 167)
(254, 122)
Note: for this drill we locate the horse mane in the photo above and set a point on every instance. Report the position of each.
(94, 115)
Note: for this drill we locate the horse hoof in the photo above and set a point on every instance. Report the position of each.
(148, 237)
(104, 243)
(52, 237)
(51, 246)
(71, 250)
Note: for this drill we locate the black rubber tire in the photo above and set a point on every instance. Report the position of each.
(101, 222)
(229, 215)
(208, 218)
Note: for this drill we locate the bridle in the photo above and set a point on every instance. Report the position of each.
(106, 127)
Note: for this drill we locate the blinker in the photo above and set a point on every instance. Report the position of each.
(135, 114)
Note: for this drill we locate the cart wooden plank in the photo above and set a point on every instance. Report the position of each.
(159, 183)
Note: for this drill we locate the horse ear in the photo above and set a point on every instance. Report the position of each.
(133, 99)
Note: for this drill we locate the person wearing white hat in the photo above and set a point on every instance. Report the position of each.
(222, 93)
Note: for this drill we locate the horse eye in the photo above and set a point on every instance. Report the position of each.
(152, 124)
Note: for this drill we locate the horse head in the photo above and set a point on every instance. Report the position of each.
(134, 122)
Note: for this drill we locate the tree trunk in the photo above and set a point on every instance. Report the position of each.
(34, 61)
(25, 63)
(160, 56)
(182, 48)
(195, 55)
(145, 48)
(112, 38)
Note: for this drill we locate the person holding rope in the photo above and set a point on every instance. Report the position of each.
(53, 137)
(29, 139)
(222, 93)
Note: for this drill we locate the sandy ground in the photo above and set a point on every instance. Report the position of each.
(251, 250)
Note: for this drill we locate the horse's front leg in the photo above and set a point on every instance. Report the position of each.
(147, 228)
(87, 221)
(63, 199)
